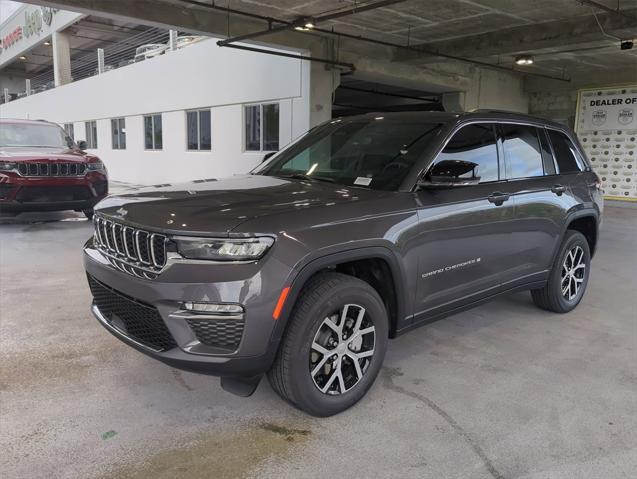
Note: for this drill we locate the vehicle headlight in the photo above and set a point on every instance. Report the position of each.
(95, 166)
(224, 249)
(8, 166)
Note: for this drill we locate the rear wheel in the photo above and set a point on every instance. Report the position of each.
(334, 345)
(568, 277)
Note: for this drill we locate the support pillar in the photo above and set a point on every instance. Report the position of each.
(453, 101)
(172, 40)
(324, 80)
(100, 61)
(61, 59)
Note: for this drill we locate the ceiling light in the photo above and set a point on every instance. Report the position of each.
(524, 60)
(304, 24)
(47, 43)
(22, 57)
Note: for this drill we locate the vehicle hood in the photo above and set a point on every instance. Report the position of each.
(16, 153)
(213, 207)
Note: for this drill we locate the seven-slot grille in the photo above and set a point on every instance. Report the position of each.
(132, 250)
(52, 169)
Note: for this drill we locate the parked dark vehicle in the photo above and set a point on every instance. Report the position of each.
(42, 169)
(364, 229)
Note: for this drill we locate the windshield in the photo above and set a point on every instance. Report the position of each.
(25, 134)
(371, 153)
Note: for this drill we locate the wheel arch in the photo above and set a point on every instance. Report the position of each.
(370, 264)
(587, 225)
(586, 221)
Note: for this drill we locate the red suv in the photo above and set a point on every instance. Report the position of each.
(43, 169)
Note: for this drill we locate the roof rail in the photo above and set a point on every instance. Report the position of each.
(493, 110)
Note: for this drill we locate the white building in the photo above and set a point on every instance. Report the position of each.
(199, 111)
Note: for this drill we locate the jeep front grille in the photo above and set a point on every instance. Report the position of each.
(52, 169)
(132, 250)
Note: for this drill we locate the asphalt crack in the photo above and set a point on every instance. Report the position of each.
(388, 378)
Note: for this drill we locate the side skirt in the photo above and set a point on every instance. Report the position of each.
(432, 316)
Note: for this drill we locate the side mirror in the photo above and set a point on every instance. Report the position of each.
(82, 145)
(448, 173)
(267, 156)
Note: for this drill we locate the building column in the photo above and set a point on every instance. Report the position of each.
(324, 80)
(453, 101)
(61, 59)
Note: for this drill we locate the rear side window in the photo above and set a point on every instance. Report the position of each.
(522, 151)
(566, 156)
(474, 144)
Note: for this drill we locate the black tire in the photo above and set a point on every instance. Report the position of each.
(551, 297)
(88, 214)
(291, 376)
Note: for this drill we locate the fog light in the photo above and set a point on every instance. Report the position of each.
(213, 308)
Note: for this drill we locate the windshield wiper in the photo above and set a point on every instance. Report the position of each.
(301, 176)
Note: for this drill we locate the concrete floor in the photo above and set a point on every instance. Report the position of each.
(503, 391)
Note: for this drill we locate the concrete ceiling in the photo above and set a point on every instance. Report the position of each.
(564, 36)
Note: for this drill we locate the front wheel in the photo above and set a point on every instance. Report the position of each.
(568, 277)
(334, 345)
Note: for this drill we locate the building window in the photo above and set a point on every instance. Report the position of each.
(70, 130)
(152, 132)
(91, 134)
(118, 133)
(261, 127)
(198, 129)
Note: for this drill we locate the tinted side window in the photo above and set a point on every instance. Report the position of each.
(522, 150)
(474, 144)
(566, 155)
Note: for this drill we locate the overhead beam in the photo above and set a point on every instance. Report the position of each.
(604, 8)
(357, 9)
(525, 38)
(301, 21)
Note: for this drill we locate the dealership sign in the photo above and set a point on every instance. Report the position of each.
(608, 111)
(33, 21)
(28, 26)
(607, 129)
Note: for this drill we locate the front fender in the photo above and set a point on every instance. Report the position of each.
(321, 260)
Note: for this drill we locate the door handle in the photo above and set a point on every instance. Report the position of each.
(558, 189)
(498, 198)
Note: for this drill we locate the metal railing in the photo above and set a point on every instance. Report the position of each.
(145, 45)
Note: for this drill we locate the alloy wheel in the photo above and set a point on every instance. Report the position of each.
(342, 350)
(573, 271)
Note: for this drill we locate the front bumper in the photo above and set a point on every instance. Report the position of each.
(20, 194)
(164, 296)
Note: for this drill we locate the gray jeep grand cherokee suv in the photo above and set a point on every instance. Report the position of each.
(364, 229)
